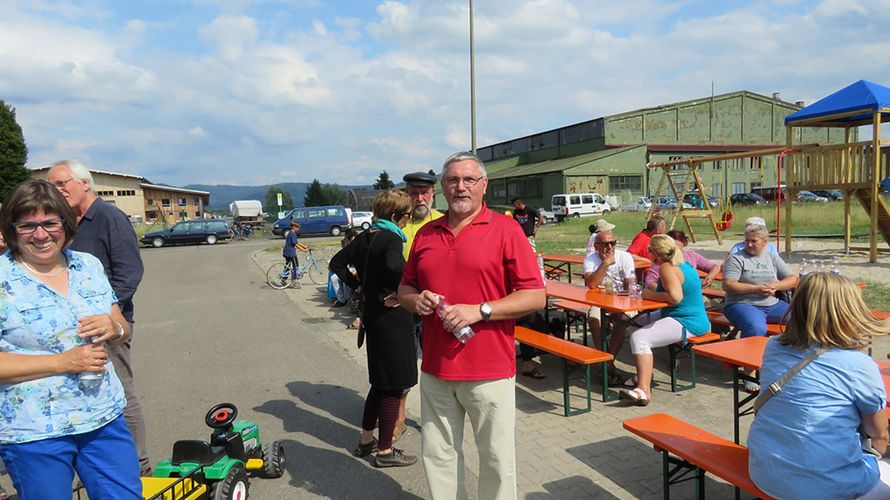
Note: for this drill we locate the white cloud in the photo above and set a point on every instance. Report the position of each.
(231, 35)
(197, 132)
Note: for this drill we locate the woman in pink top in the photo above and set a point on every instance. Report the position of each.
(697, 260)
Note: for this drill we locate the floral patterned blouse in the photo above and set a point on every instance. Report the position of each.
(36, 320)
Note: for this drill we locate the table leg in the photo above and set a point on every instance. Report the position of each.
(735, 404)
(569, 264)
(605, 334)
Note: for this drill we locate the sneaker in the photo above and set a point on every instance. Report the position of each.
(363, 450)
(397, 458)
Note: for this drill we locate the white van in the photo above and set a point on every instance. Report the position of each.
(574, 205)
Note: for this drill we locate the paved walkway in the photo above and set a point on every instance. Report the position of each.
(588, 455)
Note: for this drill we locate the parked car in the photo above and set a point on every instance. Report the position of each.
(669, 203)
(362, 220)
(747, 199)
(189, 232)
(573, 205)
(831, 194)
(692, 199)
(549, 218)
(806, 196)
(332, 220)
(771, 193)
(642, 204)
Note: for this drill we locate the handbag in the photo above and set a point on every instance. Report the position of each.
(360, 337)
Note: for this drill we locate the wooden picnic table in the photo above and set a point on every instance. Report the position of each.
(747, 354)
(564, 261)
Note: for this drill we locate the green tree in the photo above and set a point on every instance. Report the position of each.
(13, 151)
(318, 194)
(383, 181)
(270, 201)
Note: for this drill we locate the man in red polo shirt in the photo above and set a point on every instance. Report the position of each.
(481, 262)
(640, 244)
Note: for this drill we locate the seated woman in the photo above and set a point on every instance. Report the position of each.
(680, 287)
(57, 311)
(697, 260)
(805, 441)
(751, 279)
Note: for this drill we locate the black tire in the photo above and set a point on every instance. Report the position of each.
(232, 487)
(315, 274)
(366, 226)
(211, 239)
(576, 215)
(274, 277)
(273, 460)
(157, 242)
(335, 230)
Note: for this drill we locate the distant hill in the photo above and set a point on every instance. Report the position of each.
(222, 195)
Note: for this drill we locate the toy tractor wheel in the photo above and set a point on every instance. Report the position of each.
(232, 487)
(273, 459)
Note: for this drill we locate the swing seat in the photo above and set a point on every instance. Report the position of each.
(725, 222)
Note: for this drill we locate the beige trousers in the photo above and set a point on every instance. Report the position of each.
(491, 406)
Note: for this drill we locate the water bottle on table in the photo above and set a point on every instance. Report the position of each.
(465, 333)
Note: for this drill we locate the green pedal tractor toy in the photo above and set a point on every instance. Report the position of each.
(218, 469)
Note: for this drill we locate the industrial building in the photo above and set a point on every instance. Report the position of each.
(608, 155)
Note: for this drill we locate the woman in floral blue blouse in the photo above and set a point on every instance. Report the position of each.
(56, 310)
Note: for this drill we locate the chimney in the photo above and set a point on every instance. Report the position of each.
(799, 103)
(776, 96)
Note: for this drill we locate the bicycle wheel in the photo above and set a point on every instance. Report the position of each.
(314, 272)
(279, 276)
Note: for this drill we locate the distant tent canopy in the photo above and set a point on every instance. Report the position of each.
(852, 105)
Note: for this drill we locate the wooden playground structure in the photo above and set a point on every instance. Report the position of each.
(856, 168)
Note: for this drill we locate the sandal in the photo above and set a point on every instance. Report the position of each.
(751, 387)
(635, 395)
(615, 378)
(533, 373)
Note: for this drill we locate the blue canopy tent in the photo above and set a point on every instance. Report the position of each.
(853, 166)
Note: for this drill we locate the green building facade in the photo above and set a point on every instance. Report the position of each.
(608, 155)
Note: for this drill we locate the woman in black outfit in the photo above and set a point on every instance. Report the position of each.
(392, 360)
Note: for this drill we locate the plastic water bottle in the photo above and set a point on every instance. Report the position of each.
(634, 290)
(835, 266)
(540, 259)
(90, 380)
(465, 333)
(805, 268)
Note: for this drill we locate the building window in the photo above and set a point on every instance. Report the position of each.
(717, 190)
(197, 214)
(755, 185)
(755, 163)
(633, 183)
(527, 188)
(182, 202)
(718, 165)
(681, 166)
(197, 201)
(105, 193)
(738, 187)
(165, 202)
(126, 192)
(151, 214)
(738, 164)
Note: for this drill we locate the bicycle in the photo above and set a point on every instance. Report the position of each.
(241, 231)
(280, 276)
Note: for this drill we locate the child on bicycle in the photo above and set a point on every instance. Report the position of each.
(291, 245)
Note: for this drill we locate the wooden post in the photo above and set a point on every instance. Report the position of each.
(875, 185)
(787, 229)
(844, 177)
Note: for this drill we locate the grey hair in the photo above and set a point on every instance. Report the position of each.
(78, 171)
(757, 231)
(461, 156)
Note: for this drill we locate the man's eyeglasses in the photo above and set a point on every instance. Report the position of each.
(48, 225)
(61, 184)
(606, 243)
(468, 181)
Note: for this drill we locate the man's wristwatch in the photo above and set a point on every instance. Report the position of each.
(485, 310)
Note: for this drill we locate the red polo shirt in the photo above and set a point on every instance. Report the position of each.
(486, 261)
(640, 245)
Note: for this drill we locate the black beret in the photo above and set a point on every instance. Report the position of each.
(419, 179)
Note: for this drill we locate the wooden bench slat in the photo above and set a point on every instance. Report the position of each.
(571, 305)
(718, 318)
(721, 457)
(702, 339)
(569, 350)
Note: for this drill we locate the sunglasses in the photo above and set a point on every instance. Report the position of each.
(606, 243)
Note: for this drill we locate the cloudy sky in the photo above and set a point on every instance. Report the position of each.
(264, 91)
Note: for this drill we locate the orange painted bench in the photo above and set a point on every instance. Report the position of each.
(691, 450)
(720, 319)
(686, 347)
(570, 352)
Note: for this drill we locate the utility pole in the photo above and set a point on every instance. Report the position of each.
(472, 85)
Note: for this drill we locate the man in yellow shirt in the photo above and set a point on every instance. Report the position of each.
(420, 186)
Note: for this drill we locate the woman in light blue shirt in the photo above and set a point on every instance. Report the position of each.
(56, 311)
(805, 441)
